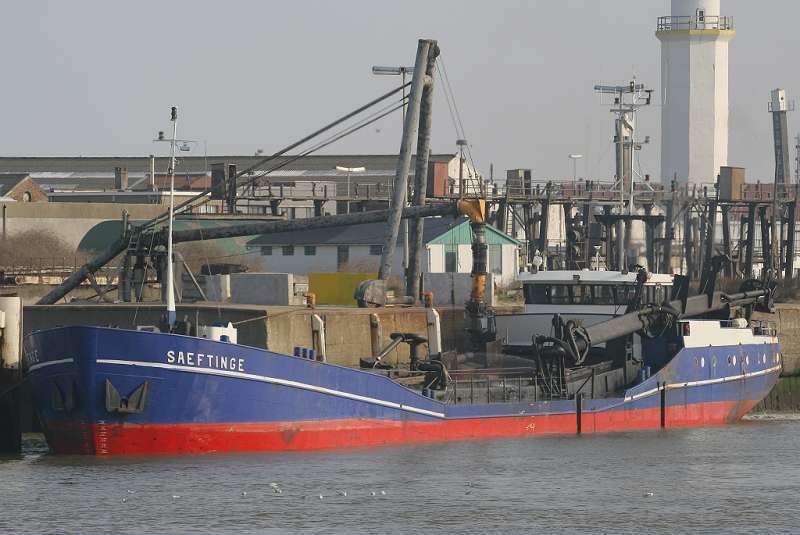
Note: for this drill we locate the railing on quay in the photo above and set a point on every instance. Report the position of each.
(47, 270)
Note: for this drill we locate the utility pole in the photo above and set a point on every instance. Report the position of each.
(416, 226)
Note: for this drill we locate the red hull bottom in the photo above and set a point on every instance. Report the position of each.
(153, 439)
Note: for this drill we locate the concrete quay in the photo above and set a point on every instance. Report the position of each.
(348, 335)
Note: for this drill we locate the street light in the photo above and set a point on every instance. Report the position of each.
(395, 71)
(575, 158)
(349, 170)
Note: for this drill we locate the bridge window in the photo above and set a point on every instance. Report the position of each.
(577, 294)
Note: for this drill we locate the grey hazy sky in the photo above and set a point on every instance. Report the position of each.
(97, 78)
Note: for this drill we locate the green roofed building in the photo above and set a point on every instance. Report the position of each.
(447, 242)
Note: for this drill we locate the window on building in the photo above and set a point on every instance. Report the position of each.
(310, 250)
(496, 259)
(288, 250)
(26, 197)
(451, 259)
(266, 250)
(342, 256)
(376, 250)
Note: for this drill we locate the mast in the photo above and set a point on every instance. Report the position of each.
(170, 282)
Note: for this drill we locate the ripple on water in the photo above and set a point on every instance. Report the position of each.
(737, 479)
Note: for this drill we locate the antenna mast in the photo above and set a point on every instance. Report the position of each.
(171, 315)
(627, 101)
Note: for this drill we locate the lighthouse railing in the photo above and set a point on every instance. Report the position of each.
(706, 22)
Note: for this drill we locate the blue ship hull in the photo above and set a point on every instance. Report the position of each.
(110, 391)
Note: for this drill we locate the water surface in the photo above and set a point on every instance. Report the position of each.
(737, 479)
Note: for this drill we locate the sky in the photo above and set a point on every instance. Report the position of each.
(97, 78)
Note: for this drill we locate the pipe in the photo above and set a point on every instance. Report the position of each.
(642, 319)
(790, 237)
(249, 229)
(751, 237)
(766, 240)
(404, 161)
(416, 226)
(81, 274)
(726, 240)
(476, 306)
(271, 227)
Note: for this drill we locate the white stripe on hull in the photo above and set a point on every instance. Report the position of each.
(277, 381)
(704, 382)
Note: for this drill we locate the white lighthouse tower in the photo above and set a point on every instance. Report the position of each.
(694, 90)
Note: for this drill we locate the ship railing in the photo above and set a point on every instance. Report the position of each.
(505, 385)
(700, 22)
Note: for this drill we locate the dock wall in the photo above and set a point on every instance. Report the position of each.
(278, 329)
(787, 317)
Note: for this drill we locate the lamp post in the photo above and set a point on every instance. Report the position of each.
(349, 170)
(395, 71)
(575, 158)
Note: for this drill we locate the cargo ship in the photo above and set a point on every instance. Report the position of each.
(105, 391)
(625, 351)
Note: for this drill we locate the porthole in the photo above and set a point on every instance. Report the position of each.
(730, 360)
(747, 360)
(764, 359)
(734, 360)
(702, 362)
(714, 361)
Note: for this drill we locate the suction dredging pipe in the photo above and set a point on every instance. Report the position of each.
(476, 310)
(575, 340)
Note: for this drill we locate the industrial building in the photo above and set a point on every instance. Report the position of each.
(447, 249)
